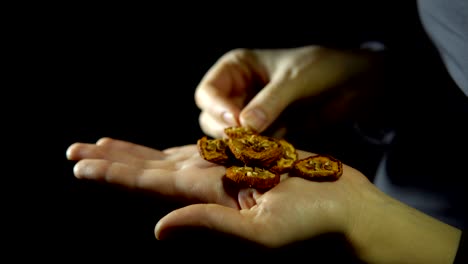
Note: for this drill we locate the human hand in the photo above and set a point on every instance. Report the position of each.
(376, 225)
(294, 210)
(180, 173)
(252, 88)
(378, 228)
(177, 173)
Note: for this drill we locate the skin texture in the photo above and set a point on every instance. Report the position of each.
(252, 88)
(380, 229)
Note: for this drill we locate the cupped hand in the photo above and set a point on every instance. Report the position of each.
(252, 88)
(294, 210)
(376, 225)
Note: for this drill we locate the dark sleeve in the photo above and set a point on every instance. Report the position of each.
(462, 253)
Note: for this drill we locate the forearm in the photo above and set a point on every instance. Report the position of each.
(392, 232)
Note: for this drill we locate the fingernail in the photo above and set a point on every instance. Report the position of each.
(228, 117)
(255, 119)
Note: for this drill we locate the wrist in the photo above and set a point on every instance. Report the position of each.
(388, 231)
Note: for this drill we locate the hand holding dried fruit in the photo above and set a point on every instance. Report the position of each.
(254, 160)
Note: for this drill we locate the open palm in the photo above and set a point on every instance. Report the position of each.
(178, 173)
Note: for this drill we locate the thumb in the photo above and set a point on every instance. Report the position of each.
(268, 104)
(213, 216)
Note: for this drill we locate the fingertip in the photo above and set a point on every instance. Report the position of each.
(104, 141)
(87, 169)
(255, 119)
(229, 119)
(76, 170)
(70, 153)
(164, 229)
(247, 198)
(157, 231)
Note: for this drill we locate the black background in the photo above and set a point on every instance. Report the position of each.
(129, 72)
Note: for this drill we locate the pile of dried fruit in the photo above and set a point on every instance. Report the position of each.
(254, 160)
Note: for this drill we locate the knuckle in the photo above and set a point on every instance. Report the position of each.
(237, 54)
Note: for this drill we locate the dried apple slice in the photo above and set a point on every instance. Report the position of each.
(318, 168)
(253, 177)
(238, 132)
(256, 150)
(214, 150)
(287, 159)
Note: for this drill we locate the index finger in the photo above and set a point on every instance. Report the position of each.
(225, 87)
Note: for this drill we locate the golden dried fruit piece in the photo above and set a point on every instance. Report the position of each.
(238, 132)
(318, 168)
(252, 177)
(214, 150)
(257, 161)
(256, 150)
(287, 159)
